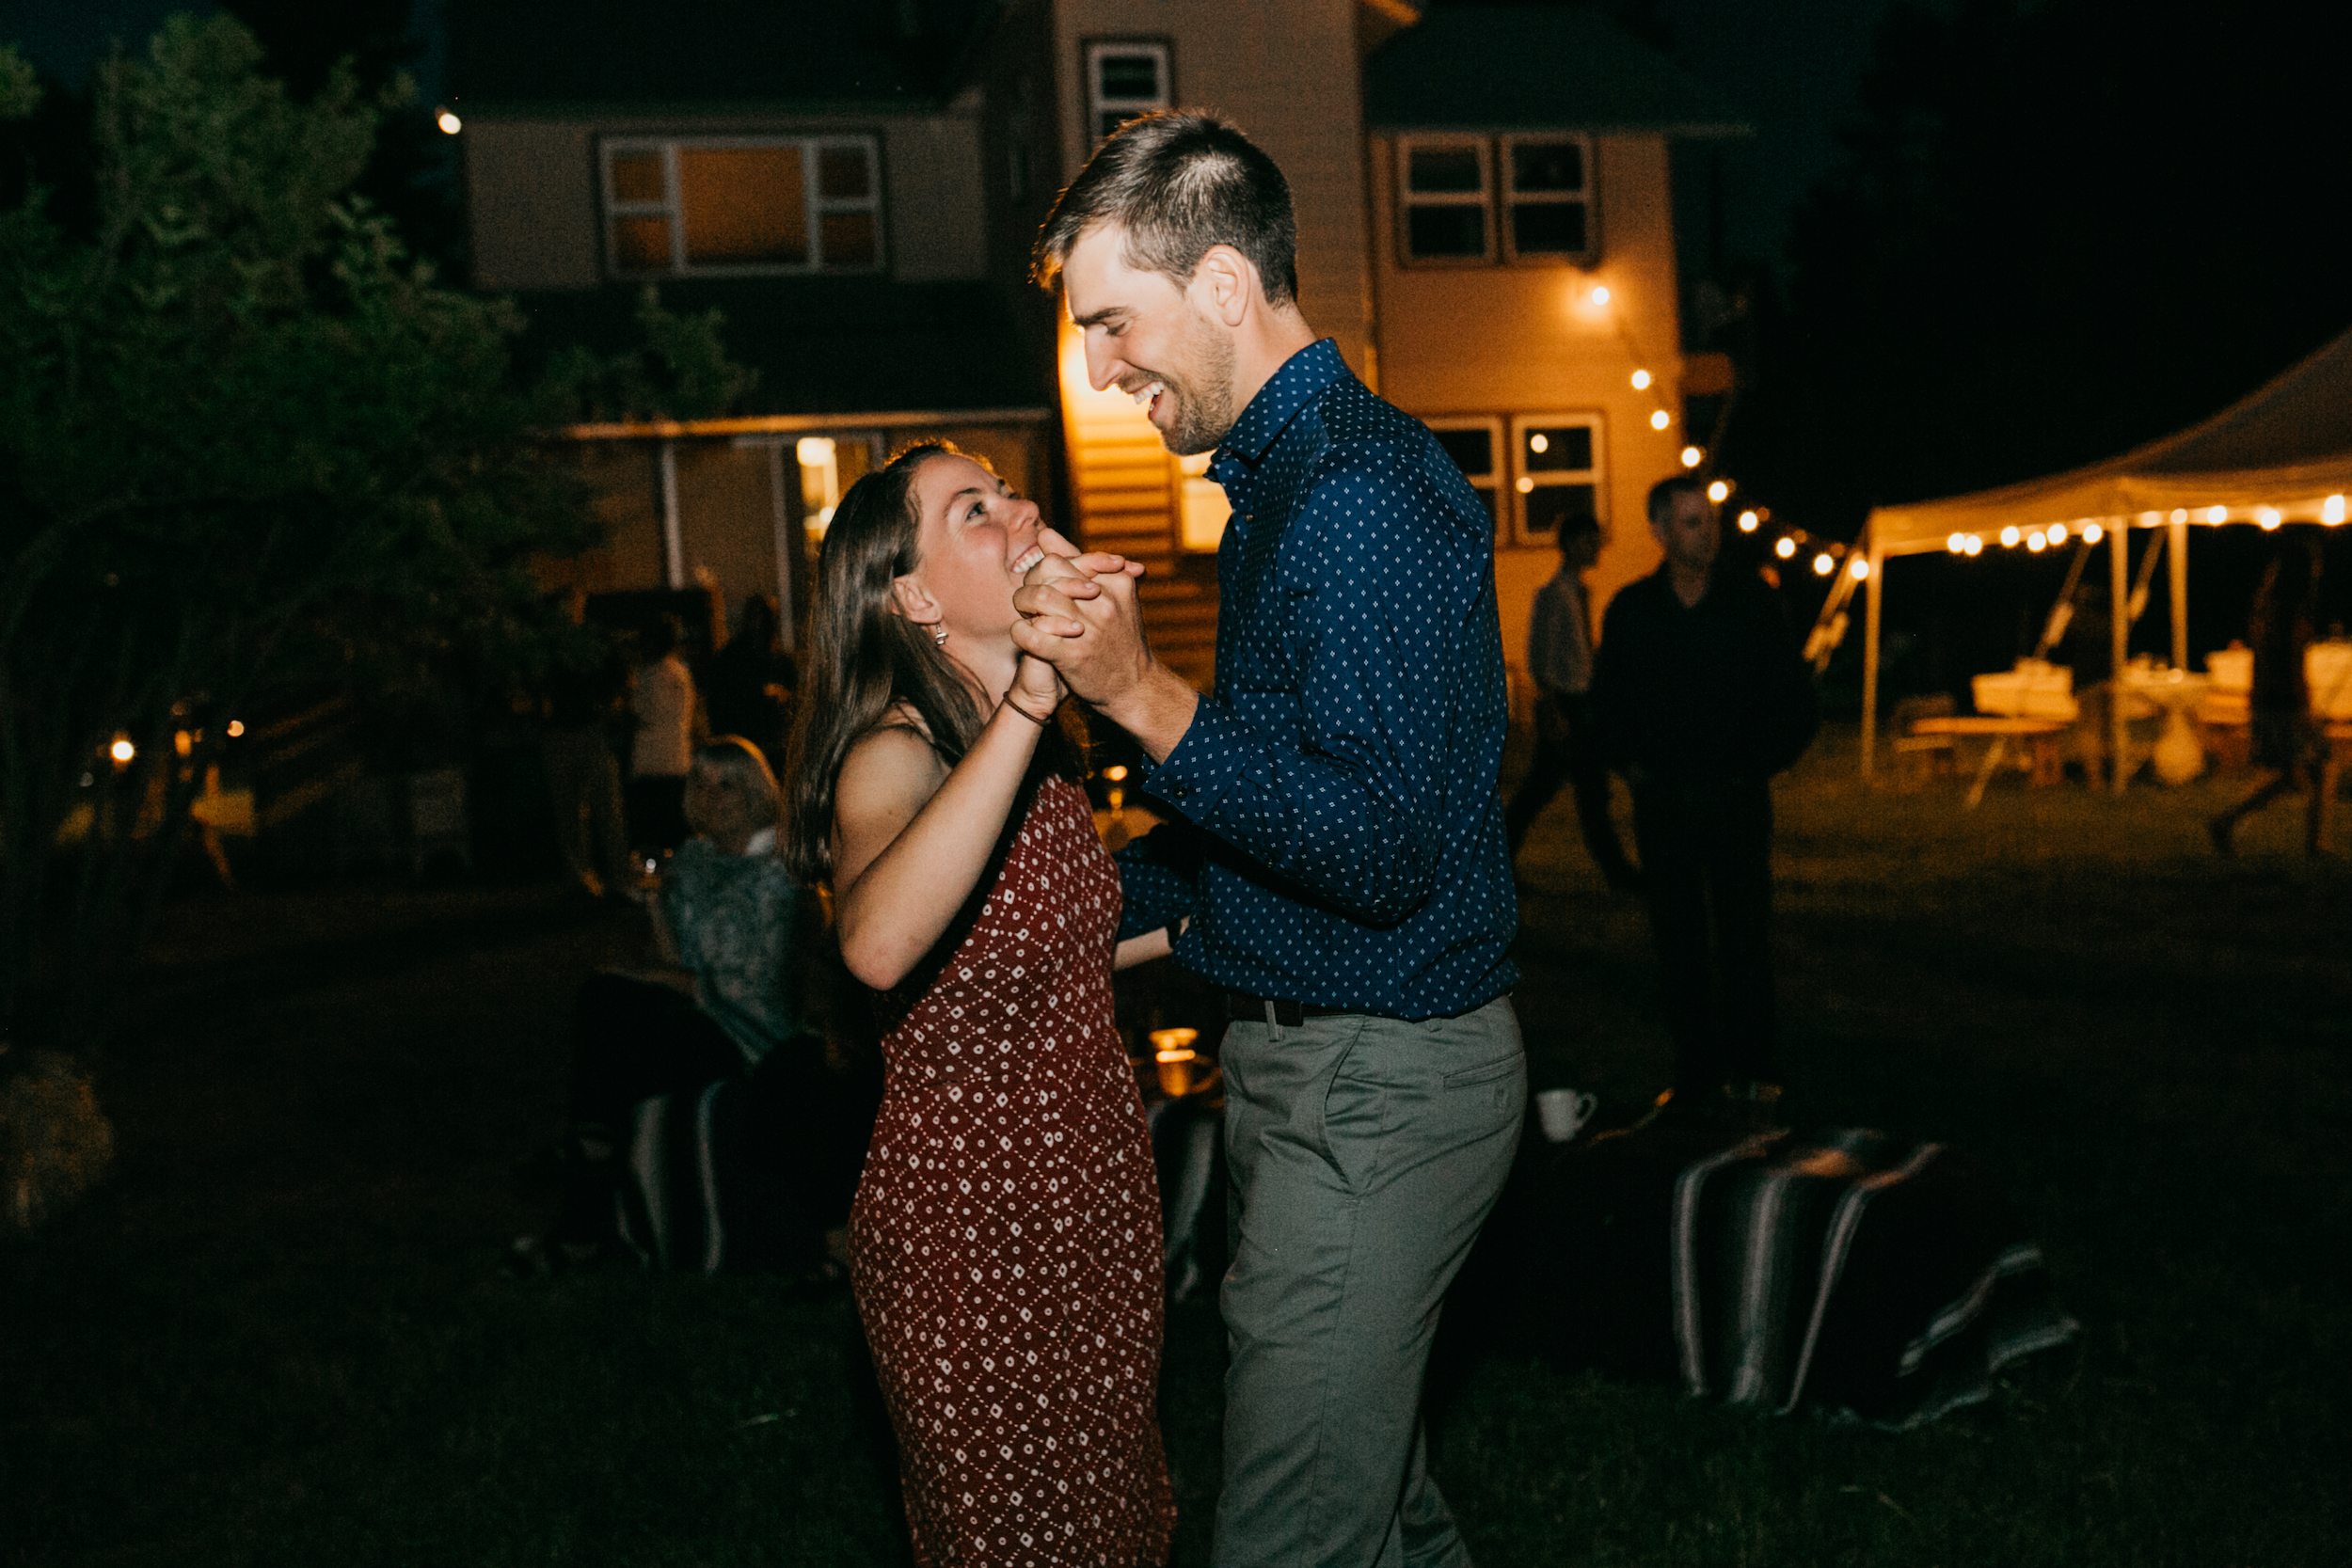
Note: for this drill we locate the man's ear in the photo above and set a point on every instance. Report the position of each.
(1225, 282)
(909, 599)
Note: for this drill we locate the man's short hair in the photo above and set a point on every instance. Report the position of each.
(1178, 182)
(1574, 530)
(1663, 494)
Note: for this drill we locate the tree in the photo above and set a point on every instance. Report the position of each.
(243, 435)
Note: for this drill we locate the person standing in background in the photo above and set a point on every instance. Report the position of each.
(2285, 620)
(1567, 747)
(750, 684)
(583, 774)
(1703, 696)
(663, 749)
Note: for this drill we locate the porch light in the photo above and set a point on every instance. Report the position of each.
(1538, 442)
(449, 122)
(1641, 381)
(1600, 293)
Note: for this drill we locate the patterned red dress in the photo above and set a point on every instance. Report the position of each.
(1005, 1244)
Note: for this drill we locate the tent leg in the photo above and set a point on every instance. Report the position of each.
(2179, 565)
(2119, 584)
(1871, 659)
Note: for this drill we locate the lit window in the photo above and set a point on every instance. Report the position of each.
(1125, 79)
(1476, 447)
(1473, 200)
(1444, 200)
(1203, 509)
(743, 205)
(1558, 457)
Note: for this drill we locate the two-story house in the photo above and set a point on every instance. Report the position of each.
(1484, 220)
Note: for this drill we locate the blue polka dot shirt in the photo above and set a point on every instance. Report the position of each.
(1338, 838)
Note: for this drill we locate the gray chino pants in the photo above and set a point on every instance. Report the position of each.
(1365, 1154)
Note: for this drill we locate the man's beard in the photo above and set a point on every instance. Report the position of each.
(1204, 394)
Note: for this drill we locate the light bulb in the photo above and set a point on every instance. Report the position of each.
(2009, 536)
(122, 750)
(2331, 511)
(449, 122)
(1538, 442)
(2180, 514)
(1859, 567)
(1641, 381)
(1600, 293)
(2057, 533)
(1976, 544)
(2036, 543)
(2092, 533)
(1720, 490)
(1823, 565)
(1786, 547)
(1661, 419)
(2216, 513)
(1693, 457)
(2268, 517)
(1747, 522)
(1957, 544)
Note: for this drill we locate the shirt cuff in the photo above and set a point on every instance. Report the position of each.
(1214, 753)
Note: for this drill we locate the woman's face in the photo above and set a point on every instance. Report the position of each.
(976, 540)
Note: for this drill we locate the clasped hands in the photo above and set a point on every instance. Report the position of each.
(1082, 623)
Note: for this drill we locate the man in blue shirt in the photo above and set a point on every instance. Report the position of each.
(1337, 860)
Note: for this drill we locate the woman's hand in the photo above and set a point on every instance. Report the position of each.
(1072, 575)
(1037, 689)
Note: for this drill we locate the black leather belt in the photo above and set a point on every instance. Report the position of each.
(1242, 1007)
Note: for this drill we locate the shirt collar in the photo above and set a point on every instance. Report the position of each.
(762, 843)
(1303, 377)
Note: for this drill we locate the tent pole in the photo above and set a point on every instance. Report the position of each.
(2179, 564)
(2119, 625)
(1870, 657)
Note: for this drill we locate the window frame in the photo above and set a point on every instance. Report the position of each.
(1484, 199)
(1525, 482)
(1496, 483)
(1090, 54)
(1507, 199)
(816, 206)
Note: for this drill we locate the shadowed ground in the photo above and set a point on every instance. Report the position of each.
(278, 1335)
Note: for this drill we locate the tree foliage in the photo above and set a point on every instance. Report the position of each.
(243, 433)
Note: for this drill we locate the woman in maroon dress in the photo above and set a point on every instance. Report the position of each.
(1005, 1244)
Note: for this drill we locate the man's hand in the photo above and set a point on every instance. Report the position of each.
(1081, 615)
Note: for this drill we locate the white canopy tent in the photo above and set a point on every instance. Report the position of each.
(2282, 455)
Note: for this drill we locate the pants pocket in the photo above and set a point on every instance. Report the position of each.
(1486, 1072)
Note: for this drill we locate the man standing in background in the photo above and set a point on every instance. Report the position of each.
(1567, 743)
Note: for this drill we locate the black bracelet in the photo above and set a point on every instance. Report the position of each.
(1025, 713)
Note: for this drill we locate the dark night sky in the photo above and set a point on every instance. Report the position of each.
(1790, 64)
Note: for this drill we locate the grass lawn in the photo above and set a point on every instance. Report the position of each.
(277, 1334)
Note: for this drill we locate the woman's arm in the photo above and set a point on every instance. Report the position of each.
(911, 838)
(1143, 949)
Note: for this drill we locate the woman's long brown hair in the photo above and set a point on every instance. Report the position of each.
(868, 657)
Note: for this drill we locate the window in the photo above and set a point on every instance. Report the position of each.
(1469, 200)
(1558, 457)
(1125, 79)
(1445, 202)
(1475, 444)
(743, 205)
(1201, 509)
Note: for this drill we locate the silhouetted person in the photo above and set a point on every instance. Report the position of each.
(748, 690)
(2286, 609)
(583, 774)
(1703, 697)
(1568, 744)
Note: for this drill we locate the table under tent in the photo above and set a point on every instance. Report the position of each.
(2282, 455)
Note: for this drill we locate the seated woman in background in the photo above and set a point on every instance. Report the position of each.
(706, 1128)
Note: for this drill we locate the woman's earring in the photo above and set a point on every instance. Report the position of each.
(939, 635)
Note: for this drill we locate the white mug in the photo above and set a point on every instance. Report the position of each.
(1565, 1111)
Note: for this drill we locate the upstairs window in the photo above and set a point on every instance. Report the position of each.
(1125, 79)
(743, 205)
(1475, 200)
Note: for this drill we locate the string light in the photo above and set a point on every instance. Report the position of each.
(1538, 442)
(1600, 293)
(122, 750)
(2092, 533)
(2331, 511)
(1641, 381)
(2009, 537)
(2268, 517)
(2217, 514)
(1859, 568)
(1661, 419)
(449, 122)
(1957, 544)
(1823, 565)
(1693, 457)
(2036, 543)
(1720, 490)
(2057, 534)
(2180, 514)
(1749, 520)
(1785, 547)
(1976, 544)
